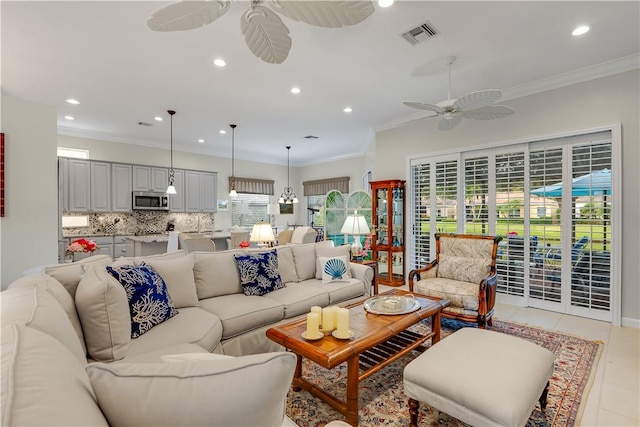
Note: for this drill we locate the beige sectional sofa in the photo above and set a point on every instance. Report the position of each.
(68, 357)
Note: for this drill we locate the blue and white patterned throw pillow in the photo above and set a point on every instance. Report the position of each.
(259, 272)
(149, 302)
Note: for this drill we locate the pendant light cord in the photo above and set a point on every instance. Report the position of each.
(233, 150)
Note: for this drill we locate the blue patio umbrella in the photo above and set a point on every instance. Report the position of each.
(592, 184)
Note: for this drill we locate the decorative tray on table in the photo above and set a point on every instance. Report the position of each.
(391, 304)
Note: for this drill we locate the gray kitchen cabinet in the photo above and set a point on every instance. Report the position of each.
(63, 184)
(200, 191)
(176, 201)
(150, 178)
(121, 187)
(100, 186)
(120, 247)
(79, 185)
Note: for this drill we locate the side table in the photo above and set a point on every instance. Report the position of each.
(374, 265)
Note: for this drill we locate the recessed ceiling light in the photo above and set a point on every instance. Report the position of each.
(347, 109)
(219, 62)
(69, 117)
(578, 31)
(73, 101)
(385, 3)
(222, 131)
(158, 119)
(295, 90)
(201, 140)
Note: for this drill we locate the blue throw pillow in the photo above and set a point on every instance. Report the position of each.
(149, 302)
(259, 273)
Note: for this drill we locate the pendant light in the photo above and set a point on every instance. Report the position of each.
(171, 189)
(233, 192)
(288, 196)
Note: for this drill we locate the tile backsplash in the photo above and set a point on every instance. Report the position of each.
(141, 222)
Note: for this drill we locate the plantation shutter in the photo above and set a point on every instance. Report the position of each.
(476, 195)
(420, 215)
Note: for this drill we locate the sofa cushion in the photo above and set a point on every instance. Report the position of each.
(191, 325)
(149, 301)
(103, 309)
(178, 275)
(69, 274)
(339, 291)
(215, 274)
(465, 269)
(240, 313)
(37, 308)
(61, 295)
(327, 251)
(298, 299)
(39, 371)
(334, 269)
(286, 264)
(160, 257)
(463, 295)
(259, 273)
(155, 356)
(305, 260)
(212, 386)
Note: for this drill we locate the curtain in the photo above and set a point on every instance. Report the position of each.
(252, 185)
(323, 186)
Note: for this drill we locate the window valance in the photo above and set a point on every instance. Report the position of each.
(323, 186)
(253, 185)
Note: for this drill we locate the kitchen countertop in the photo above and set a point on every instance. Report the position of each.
(164, 237)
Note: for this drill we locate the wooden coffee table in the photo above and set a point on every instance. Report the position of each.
(378, 340)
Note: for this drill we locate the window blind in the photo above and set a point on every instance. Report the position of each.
(323, 186)
(252, 185)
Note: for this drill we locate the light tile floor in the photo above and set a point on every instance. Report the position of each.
(614, 398)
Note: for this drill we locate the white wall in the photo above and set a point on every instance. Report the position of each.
(599, 102)
(29, 229)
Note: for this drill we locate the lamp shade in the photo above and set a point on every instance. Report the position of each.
(262, 233)
(355, 224)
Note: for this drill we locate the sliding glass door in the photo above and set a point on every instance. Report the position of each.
(551, 201)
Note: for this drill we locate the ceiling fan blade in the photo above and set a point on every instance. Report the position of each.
(448, 124)
(187, 15)
(478, 99)
(422, 106)
(332, 13)
(265, 34)
(488, 113)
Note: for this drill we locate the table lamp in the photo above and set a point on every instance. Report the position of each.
(356, 225)
(262, 234)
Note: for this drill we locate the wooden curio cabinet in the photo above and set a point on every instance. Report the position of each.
(388, 234)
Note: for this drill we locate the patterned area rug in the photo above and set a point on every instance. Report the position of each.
(383, 403)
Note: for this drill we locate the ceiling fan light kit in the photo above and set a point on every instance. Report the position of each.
(264, 32)
(474, 105)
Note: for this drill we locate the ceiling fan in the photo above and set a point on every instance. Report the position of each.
(474, 105)
(264, 32)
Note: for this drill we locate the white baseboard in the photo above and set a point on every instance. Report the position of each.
(630, 323)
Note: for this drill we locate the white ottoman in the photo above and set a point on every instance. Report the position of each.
(481, 377)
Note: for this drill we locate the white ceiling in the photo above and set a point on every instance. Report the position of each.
(103, 54)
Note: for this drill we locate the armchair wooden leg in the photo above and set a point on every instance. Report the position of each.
(543, 398)
(490, 321)
(414, 405)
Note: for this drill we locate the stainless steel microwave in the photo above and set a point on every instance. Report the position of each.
(150, 201)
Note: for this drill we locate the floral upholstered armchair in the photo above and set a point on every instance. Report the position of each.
(464, 271)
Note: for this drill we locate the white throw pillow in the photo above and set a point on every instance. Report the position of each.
(178, 275)
(242, 391)
(331, 251)
(334, 269)
(103, 309)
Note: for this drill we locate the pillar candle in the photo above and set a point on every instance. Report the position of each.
(328, 318)
(318, 310)
(313, 325)
(343, 323)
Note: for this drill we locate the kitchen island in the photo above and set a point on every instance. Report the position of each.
(152, 244)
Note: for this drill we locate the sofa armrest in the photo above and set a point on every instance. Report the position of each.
(364, 273)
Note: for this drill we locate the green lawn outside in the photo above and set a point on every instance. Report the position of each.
(547, 233)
